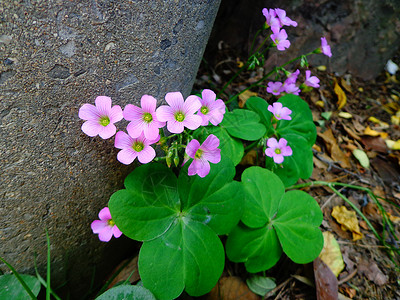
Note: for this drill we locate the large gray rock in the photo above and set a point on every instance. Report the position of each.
(54, 57)
(363, 34)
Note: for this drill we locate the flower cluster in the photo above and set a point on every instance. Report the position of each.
(276, 19)
(145, 123)
(278, 149)
(290, 85)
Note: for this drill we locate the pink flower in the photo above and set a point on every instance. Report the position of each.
(311, 80)
(292, 77)
(180, 114)
(325, 48)
(280, 39)
(281, 14)
(134, 147)
(143, 119)
(280, 113)
(271, 19)
(105, 227)
(202, 155)
(211, 110)
(277, 150)
(291, 88)
(275, 88)
(100, 118)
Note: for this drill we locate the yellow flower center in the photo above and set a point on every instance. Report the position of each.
(147, 117)
(204, 110)
(179, 116)
(138, 146)
(111, 222)
(198, 153)
(104, 121)
(278, 151)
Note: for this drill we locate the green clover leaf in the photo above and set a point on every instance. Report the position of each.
(289, 223)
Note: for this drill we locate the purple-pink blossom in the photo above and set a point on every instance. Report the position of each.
(280, 39)
(100, 119)
(202, 155)
(277, 150)
(280, 112)
(105, 227)
(281, 14)
(271, 19)
(325, 48)
(211, 110)
(143, 119)
(312, 81)
(180, 113)
(291, 88)
(292, 77)
(275, 88)
(134, 147)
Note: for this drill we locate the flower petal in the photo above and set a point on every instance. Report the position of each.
(106, 234)
(115, 114)
(88, 112)
(148, 103)
(132, 112)
(175, 100)
(122, 140)
(192, 122)
(278, 158)
(175, 126)
(117, 233)
(191, 105)
(146, 155)
(208, 96)
(286, 151)
(192, 148)
(126, 156)
(107, 131)
(98, 225)
(165, 113)
(203, 168)
(213, 156)
(269, 152)
(105, 214)
(211, 143)
(136, 128)
(272, 143)
(103, 104)
(91, 128)
(151, 131)
(282, 143)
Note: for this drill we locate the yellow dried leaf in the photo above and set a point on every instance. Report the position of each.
(360, 89)
(395, 120)
(371, 132)
(250, 158)
(345, 115)
(331, 254)
(394, 219)
(320, 103)
(393, 145)
(244, 96)
(342, 99)
(375, 120)
(321, 68)
(348, 221)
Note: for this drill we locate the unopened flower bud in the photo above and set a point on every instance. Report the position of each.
(176, 161)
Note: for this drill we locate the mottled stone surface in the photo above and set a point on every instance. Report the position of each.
(363, 34)
(54, 57)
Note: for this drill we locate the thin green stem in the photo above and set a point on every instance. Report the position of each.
(267, 75)
(254, 39)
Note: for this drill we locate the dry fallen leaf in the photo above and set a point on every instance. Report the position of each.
(333, 148)
(325, 281)
(229, 288)
(331, 254)
(371, 132)
(250, 158)
(348, 221)
(393, 145)
(371, 270)
(345, 115)
(342, 99)
(244, 96)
